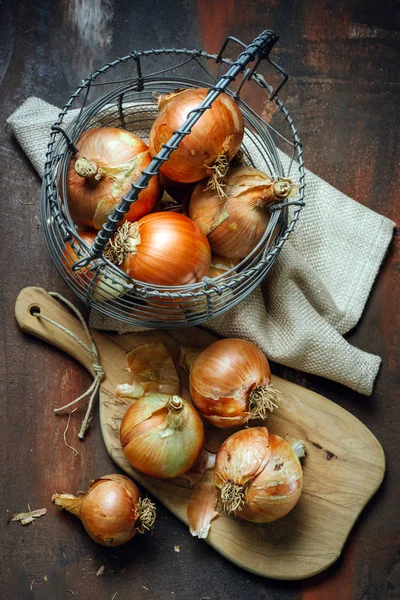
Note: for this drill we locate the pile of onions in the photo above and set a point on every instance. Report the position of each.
(108, 162)
(163, 248)
(109, 285)
(236, 223)
(259, 475)
(213, 142)
(111, 511)
(230, 383)
(162, 435)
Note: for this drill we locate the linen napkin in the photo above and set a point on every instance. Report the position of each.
(313, 295)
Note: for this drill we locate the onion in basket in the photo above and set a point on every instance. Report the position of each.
(259, 475)
(213, 142)
(111, 511)
(108, 162)
(236, 223)
(163, 248)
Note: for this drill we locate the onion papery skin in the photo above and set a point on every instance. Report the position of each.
(223, 377)
(236, 223)
(242, 456)
(110, 510)
(277, 489)
(120, 157)
(166, 248)
(262, 473)
(159, 441)
(218, 132)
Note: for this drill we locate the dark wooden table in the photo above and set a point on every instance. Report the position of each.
(344, 94)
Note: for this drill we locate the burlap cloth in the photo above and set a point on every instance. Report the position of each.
(315, 293)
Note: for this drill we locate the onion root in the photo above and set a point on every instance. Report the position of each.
(125, 241)
(263, 399)
(146, 509)
(217, 175)
(232, 497)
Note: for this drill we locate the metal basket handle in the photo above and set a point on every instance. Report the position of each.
(260, 48)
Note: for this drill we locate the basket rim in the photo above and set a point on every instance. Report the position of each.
(203, 288)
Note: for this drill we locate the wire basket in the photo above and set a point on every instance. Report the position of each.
(127, 101)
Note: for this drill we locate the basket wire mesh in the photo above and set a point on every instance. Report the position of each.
(128, 102)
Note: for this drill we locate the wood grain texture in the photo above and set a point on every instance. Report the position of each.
(344, 467)
(342, 58)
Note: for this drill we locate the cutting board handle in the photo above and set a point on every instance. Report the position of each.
(34, 300)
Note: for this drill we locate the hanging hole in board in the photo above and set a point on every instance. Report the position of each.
(34, 310)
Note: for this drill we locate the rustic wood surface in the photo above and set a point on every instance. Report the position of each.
(343, 61)
(344, 466)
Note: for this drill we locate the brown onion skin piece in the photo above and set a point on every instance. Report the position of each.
(173, 251)
(108, 146)
(223, 377)
(99, 514)
(248, 194)
(261, 504)
(201, 508)
(219, 131)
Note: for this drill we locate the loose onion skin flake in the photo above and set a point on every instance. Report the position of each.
(162, 435)
(236, 222)
(111, 511)
(164, 248)
(201, 509)
(230, 382)
(152, 370)
(208, 148)
(259, 475)
(108, 162)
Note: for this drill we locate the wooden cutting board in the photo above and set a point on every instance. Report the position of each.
(344, 467)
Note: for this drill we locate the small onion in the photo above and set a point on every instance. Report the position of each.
(214, 139)
(162, 435)
(163, 248)
(236, 223)
(259, 475)
(230, 383)
(111, 511)
(108, 162)
(109, 285)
